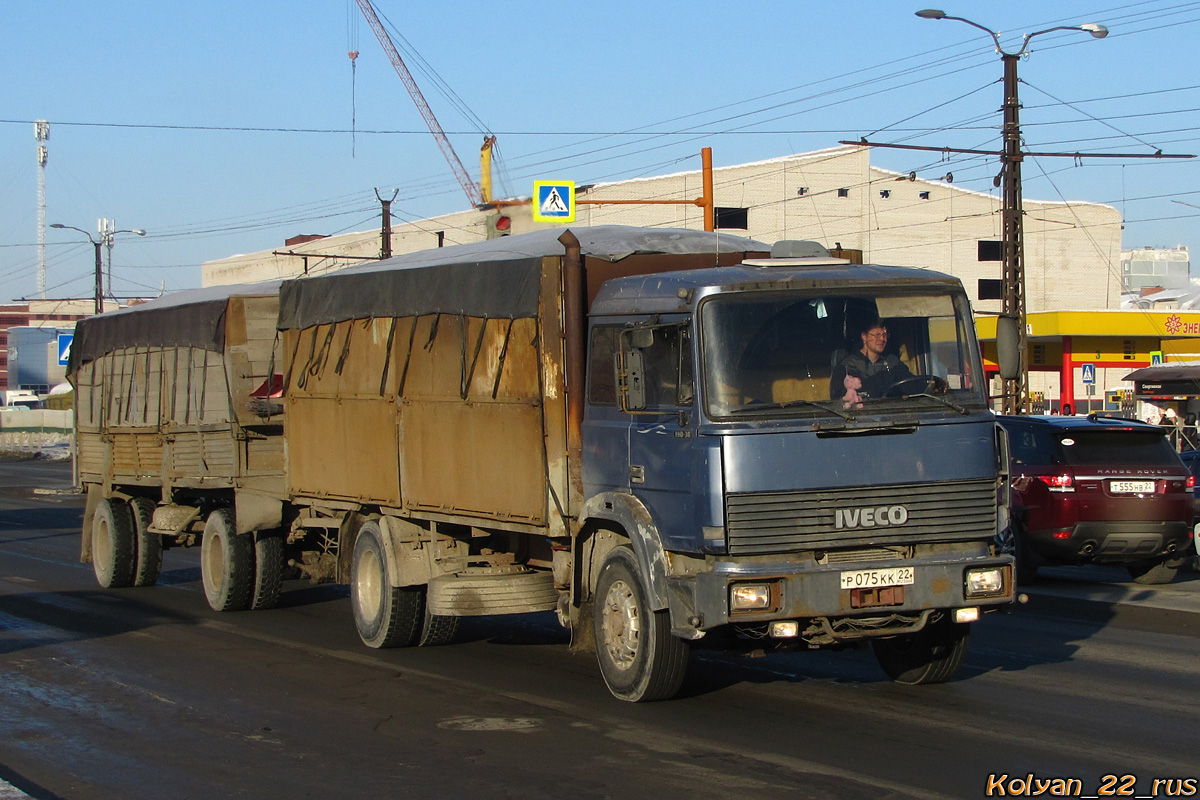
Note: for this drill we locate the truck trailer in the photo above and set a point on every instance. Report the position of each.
(646, 431)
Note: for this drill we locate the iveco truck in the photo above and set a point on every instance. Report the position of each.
(674, 439)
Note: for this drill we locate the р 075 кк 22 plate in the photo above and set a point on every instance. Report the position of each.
(863, 578)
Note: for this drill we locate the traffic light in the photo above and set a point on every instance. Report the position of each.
(498, 225)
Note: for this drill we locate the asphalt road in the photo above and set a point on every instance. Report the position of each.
(146, 693)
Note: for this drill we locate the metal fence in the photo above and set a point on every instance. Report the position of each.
(34, 430)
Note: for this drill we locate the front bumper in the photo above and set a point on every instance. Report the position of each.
(805, 592)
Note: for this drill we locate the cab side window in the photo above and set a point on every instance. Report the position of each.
(668, 369)
(602, 377)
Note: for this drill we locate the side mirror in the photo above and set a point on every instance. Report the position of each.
(1008, 347)
(641, 338)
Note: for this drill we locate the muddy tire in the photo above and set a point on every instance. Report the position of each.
(437, 630)
(385, 615)
(114, 545)
(268, 572)
(226, 563)
(931, 655)
(639, 658)
(149, 545)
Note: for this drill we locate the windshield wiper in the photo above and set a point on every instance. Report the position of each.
(944, 400)
(789, 403)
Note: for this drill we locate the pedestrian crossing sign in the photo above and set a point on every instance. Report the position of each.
(64, 348)
(554, 201)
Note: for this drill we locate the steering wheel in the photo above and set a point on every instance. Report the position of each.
(918, 384)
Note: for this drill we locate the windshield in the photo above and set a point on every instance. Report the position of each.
(843, 354)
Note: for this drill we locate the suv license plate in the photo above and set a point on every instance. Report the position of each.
(862, 578)
(1131, 487)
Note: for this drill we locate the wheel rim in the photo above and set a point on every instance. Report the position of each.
(215, 561)
(368, 583)
(621, 625)
(102, 545)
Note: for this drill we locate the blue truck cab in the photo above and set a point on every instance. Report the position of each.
(770, 494)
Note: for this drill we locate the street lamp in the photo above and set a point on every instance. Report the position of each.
(1016, 391)
(106, 237)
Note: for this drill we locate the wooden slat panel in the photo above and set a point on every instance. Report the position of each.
(197, 454)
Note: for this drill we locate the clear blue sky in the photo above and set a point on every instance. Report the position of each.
(223, 127)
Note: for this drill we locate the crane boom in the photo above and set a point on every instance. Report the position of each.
(464, 180)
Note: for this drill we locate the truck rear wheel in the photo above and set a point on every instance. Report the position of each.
(385, 615)
(931, 655)
(268, 571)
(1153, 572)
(639, 658)
(149, 545)
(226, 563)
(114, 547)
(438, 629)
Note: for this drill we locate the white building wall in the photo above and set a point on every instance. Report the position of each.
(1071, 249)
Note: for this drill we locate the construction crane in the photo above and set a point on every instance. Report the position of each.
(473, 192)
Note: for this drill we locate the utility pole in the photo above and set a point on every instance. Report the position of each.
(385, 230)
(1016, 391)
(107, 227)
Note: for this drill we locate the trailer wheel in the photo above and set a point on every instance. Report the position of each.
(149, 545)
(385, 615)
(931, 655)
(639, 658)
(114, 547)
(226, 563)
(268, 571)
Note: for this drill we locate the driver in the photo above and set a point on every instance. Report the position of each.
(868, 372)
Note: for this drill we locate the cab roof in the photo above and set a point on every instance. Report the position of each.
(673, 292)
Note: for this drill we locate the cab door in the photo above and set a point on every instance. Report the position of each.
(657, 389)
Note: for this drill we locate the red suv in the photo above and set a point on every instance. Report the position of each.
(1097, 491)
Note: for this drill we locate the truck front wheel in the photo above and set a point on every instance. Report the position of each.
(226, 563)
(385, 615)
(931, 655)
(114, 546)
(639, 658)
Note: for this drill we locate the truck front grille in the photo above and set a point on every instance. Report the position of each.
(784, 522)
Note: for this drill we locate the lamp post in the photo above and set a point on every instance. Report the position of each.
(106, 237)
(1016, 391)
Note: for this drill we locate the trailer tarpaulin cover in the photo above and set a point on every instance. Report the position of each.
(498, 278)
(192, 318)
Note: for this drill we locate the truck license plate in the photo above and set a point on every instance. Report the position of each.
(860, 578)
(1131, 487)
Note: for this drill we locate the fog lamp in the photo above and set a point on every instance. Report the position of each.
(750, 596)
(966, 614)
(985, 582)
(787, 629)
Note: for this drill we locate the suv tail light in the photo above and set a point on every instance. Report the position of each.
(1058, 483)
(1191, 482)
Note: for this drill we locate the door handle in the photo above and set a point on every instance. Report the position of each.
(637, 473)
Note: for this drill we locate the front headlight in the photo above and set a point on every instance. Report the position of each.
(750, 597)
(988, 582)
